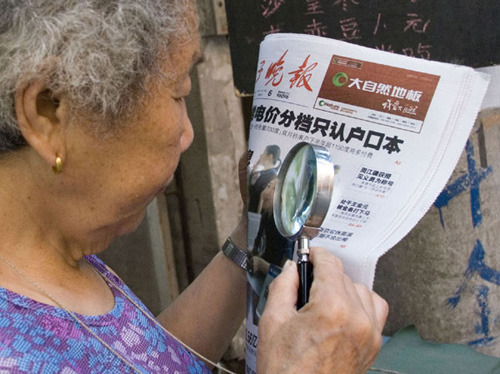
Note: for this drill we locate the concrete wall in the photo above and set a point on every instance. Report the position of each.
(208, 170)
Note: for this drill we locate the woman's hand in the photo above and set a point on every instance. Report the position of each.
(338, 331)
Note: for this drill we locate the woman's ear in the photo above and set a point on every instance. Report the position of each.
(42, 119)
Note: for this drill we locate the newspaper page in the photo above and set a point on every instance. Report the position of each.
(395, 127)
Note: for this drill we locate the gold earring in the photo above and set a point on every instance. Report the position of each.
(58, 166)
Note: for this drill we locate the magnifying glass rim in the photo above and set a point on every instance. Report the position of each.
(325, 175)
(323, 193)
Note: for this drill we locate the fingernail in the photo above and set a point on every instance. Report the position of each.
(288, 264)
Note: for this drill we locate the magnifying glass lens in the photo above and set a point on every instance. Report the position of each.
(301, 201)
(298, 191)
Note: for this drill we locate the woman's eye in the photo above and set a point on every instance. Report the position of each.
(179, 99)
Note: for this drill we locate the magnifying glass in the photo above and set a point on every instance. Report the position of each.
(301, 200)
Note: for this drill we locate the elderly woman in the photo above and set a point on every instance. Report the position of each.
(92, 124)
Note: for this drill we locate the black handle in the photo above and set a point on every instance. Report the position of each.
(305, 280)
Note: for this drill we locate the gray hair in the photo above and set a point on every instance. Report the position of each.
(100, 53)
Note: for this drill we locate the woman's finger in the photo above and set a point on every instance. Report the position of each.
(366, 299)
(381, 310)
(283, 290)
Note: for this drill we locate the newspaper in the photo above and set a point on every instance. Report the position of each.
(394, 125)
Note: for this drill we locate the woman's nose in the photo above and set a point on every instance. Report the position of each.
(187, 135)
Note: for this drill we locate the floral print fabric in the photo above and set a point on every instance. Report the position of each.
(39, 338)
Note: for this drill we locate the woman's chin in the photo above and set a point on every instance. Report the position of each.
(132, 223)
(169, 181)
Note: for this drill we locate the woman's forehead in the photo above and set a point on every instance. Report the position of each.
(184, 55)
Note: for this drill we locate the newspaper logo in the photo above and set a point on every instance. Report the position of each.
(377, 93)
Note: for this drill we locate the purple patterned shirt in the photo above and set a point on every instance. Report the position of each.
(38, 338)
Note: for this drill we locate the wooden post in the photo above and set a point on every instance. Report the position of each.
(208, 176)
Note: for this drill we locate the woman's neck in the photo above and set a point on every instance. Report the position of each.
(34, 218)
(29, 258)
(32, 242)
